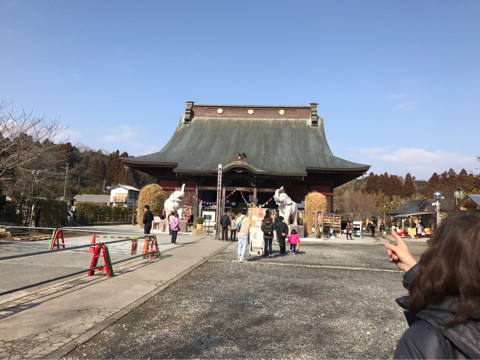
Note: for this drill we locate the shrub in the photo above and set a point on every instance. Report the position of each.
(8, 214)
(151, 195)
(158, 202)
(199, 220)
(90, 214)
(314, 201)
(52, 212)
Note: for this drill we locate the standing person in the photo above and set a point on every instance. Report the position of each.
(233, 229)
(267, 228)
(169, 219)
(243, 224)
(294, 241)
(382, 229)
(419, 230)
(147, 219)
(372, 229)
(224, 223)
(175, 227)
(443, 301)
(275, 222)
(348, 230)
(282, 231)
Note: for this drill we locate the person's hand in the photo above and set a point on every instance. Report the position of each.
(399, 254)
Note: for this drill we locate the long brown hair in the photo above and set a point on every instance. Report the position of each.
(450, 267)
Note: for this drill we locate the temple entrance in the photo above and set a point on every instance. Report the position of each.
(237, 198)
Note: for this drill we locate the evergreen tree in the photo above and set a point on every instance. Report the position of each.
(433, 185)
(371, 186)
(395, 186)
(97, 172)
(408, 186)
(383, 185)
(125, 174)
(464, 181)
(452, 182)
(112, 168)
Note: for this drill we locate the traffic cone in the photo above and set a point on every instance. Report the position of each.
(93, 242)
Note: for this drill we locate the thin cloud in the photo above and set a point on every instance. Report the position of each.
(407, 105)
(420, 162)
(374, 151)
(396, 96)
(402, 101)
(67, 135)
(123, 133)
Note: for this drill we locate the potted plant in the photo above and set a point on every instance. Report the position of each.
(199, 221)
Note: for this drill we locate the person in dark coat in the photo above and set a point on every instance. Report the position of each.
(348, 230)
(147, 219)
(267, 228)
(282, 231)
(225, 223)
(443, 306)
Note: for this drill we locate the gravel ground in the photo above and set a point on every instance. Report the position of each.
(284, 307)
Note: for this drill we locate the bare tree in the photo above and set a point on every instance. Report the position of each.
(358, 205)
(27, 152)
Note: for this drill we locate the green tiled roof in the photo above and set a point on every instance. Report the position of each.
(272, 146)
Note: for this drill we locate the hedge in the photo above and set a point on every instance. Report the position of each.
(90, 214)
(8, 214)
(53, 213)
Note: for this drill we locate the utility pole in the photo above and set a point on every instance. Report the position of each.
(438, 196)
(125, 177)
(65, 186)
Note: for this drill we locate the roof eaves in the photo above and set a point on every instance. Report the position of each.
(214, 172)
(363, 168)
(415, 213)
(150, 163)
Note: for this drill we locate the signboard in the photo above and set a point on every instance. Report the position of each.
(337, 223)
(256, 216)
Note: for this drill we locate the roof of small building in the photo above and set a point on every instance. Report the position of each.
(92, 198)
(273, 140)
(475, 198)
(126, 187)
(414, 207)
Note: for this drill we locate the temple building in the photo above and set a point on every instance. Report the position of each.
(261, 149)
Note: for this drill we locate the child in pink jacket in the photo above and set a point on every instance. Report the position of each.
(294, 241)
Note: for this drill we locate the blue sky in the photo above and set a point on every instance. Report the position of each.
(397, 82)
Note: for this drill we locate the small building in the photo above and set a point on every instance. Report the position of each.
(124, 195)
(416, 210)
(470, 202)
(92, 199)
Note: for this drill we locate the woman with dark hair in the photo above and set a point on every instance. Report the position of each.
(443, 306)
(267, 228)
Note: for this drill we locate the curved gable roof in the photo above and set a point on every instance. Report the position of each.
(272, 146)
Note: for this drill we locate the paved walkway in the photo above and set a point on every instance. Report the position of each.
(331, 301)
(53, 320)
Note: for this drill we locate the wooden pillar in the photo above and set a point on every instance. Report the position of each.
(255, 200)
(223, 200)
(195, 207)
